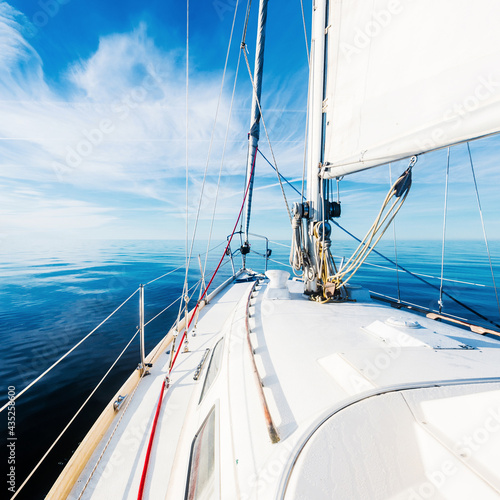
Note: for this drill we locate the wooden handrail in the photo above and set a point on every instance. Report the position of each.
(271, 428)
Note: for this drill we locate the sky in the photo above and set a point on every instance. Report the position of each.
(93, 127)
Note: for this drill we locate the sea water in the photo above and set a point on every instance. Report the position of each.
(54, 293)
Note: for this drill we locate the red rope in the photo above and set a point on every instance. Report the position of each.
(218, 266)
(150, 444)
(153, 430)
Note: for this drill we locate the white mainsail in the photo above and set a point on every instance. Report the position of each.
(408, 76)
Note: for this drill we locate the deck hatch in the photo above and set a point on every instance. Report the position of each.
(201, 482)
(413, 335)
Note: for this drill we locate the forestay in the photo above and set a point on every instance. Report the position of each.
(408, 76)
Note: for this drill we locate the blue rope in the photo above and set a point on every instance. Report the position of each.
(282, 177)
(422, 279)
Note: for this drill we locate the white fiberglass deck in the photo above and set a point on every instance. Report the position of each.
(369, 403)
(119, 471)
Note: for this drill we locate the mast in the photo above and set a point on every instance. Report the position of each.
(311, 227)
(314, 210)
(253, 135)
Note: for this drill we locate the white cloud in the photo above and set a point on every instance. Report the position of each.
(118, 129)
(21, 74)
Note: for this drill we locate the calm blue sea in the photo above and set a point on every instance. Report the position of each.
(53, 293)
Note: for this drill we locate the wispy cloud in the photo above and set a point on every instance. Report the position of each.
(117, 126)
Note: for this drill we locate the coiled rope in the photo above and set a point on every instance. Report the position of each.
(397, 194)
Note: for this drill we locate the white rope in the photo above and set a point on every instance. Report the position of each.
(445, 210)
(68, 353)
(73, 418)
(380, 225)
(483, 226)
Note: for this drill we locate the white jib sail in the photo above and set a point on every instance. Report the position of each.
(408, 76)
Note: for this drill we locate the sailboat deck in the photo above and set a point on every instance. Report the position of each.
(348, 348)
(118, 472)
(315, 362)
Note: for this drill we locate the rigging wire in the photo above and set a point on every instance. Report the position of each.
(462, 282)
(247, 18)
(212, 135)
(395, 242)
(184, 335)
(188, 324)
(445, 210)
(265, 130)
(279, 173)
(244, 48)
(226, 135)
(185, 286)
(483, 226)
(305, 27)
(465, 306)
(310, 85)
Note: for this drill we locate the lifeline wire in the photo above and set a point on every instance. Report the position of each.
(68, 353)
(73, 419)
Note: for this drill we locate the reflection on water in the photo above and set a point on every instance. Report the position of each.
(53, 293)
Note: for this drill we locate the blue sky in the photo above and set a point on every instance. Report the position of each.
(92, 127)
